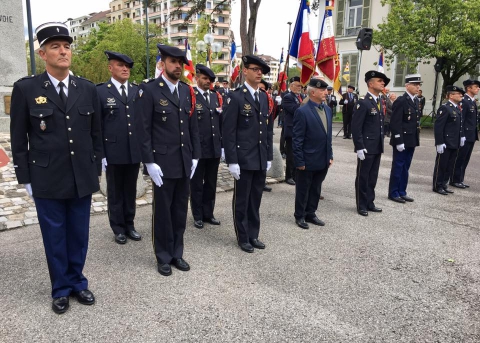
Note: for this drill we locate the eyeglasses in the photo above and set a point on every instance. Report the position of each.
(255, 70)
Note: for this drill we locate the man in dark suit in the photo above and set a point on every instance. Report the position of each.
(247, 139)
(170, 148)
(405, 136)
(208, 110)
(312, 149)
(290, 102)
(331, 100)
(449, 137)
(470, 126)
(421, 101)
(348, 102)
(367, 131)
(122, 153)
(57, 151)
(224, 90)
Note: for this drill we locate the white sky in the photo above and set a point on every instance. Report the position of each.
(272, 27)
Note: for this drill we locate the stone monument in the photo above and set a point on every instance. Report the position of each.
(13, 55)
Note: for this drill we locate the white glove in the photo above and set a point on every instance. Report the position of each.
(269, 165)
(222, 157)
(28, 187)
(155, 173)
(441, 148)
(345, 102)
(462, 141)
(234, 170)
(104, 164)
(194, 166)
(400, 147)
(361, 154)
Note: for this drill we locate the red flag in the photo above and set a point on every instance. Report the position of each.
(235, 73)
(189, 71)
(282, 78)
(326, 51)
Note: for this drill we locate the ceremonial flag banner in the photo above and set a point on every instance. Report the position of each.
(326, 50)
(380, 63)
(189, 71)
(233, 51)
(282, 80)
(337, 84)
(302, 47)
(235, 73)
(158, 69)
(346, 72)
(255, 52)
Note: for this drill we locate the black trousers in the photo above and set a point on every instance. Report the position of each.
(443, 169)
(308, 186)
(247, 197)
(366, 180)
(169, 217)
(121, 195)
(282, 140)
(461, 163)
(290, 163)
(347, 124)
(203, 188)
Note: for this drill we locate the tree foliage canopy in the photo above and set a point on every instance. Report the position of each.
(425, 30)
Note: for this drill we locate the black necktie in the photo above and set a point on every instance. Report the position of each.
(207, 98)
(257, 103)
(62, 94)
(175, 95)
(124, 95)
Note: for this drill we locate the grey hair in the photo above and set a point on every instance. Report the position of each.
(309, 89)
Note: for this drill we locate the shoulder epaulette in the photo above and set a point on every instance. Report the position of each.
(99, 84)
(82, 78)
(134, 83)
(26, 77)
(148, 80)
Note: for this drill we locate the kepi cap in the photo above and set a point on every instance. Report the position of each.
(52, 30)
(252, 59)
(166, 50)
(376, 74)
(112, 55)
(413, 78)
(470, 82)
(201, 69)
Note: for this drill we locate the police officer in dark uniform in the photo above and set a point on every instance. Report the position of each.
(122, 153)
(291, 102)
(224, 90)
(170, 148)
(449, 137)
(247, 139)
(331, 100)
(367, 131)
(405, 136)
(208, 109)
(57, 151)
(348, 101)
(470, 125)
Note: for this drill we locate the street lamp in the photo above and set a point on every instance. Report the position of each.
(206, 46)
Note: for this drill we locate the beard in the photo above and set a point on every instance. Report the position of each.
(173, 75)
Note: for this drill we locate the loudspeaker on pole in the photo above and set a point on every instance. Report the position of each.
(364, 39)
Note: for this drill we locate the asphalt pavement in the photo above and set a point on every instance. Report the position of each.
(409, 274)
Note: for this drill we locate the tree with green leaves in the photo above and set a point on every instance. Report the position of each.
(426, 30)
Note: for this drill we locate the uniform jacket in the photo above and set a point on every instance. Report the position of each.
(405, 122)
(312, 142)
(167, 134)
(118, 124)
(367, 126)
(448, 127)
(247, 132)
(209, 125)
(348, 108)
(333, 101)
(56, 149)
(290, 103)
(470, 118)
(224, 93)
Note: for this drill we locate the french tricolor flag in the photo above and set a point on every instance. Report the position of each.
(326, 50)
(380, 63)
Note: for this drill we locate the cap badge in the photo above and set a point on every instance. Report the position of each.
(373, 73)
(58, 30)
(244, 59)
(41, 100)
(319, 84)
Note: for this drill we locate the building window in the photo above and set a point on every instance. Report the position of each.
(221, 32)
(403, 67)
(209, 4)
(128, 15)
(119, 7)
(349, 78)
(113, 9)
(164, 5)
(183, 28)
(128, 5)
(165, 18)
(352, 15)
(166, 30)
(119, 17)
(221, 19)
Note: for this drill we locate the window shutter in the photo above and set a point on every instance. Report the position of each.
(340, 17)
(366, 13)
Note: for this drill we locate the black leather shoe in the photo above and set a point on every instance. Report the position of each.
(301, 223)
(181, 264)
(198, 224)
(407, 198)
(397, 199)
(164, 269)
(84, 297)
(257, 244)
(315, 221)
(448, 191)
(121, 238)
(363, 213)
(134, 235)
(465, 185)
(375, 209)
(457, 185)
(212, 221)
(60, 305)
(267, 189)
(345, 137)
(247, 247)
(440, 191)
(290, 182)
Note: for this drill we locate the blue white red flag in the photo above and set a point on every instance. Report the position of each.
(326, 51)
(380, 63)
(189, 70)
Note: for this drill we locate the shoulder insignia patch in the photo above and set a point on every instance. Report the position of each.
(358, 106)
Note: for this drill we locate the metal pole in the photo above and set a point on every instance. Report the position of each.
(358, 71)
(30, 39)
(146, 35)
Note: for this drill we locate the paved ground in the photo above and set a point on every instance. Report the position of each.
(409, 274)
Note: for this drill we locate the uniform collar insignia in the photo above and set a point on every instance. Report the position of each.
(46, 84)
(73, 83)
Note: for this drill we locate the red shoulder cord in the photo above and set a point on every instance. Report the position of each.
(270, 102)
(194, 100)
(220, 99)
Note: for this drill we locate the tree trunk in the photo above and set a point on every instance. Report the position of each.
(247, 33)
